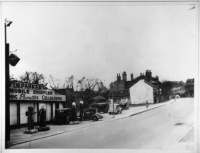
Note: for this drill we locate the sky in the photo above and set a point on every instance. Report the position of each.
(102, 39)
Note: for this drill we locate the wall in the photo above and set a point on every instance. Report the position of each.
(13, 113)
(24, 108)
(141, 92)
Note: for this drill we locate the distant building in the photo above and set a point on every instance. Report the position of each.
(181, 91)
(189, 86)
(119, 89)
(173, 88)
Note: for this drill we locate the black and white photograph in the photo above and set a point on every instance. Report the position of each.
(100, 76)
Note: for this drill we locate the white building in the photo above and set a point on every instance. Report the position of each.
(141, 91)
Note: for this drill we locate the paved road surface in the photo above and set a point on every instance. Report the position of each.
(159, 128)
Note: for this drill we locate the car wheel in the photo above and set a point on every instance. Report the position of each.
(95, 118)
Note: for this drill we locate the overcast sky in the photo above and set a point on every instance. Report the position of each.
(101, 40)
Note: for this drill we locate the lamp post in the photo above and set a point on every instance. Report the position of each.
(13, 60)
(7, 85)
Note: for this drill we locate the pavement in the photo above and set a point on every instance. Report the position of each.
(18, 136)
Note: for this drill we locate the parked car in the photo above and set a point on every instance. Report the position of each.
(101, 107)
(115, 109)
(124, 106)
(91, 114)
(63, 116)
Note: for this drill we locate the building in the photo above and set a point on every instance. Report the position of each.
(24, 95)
(179, 88)
(141, 92)
(119, 89)
(181, 91)
(189, 86)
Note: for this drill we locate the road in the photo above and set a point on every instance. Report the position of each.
(159, 128)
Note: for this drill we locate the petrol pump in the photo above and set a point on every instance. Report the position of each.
(42, 119)
(30, 113)
(30, 117)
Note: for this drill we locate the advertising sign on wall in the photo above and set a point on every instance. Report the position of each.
(28, 91)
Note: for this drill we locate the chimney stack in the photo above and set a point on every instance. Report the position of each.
(148, 75)
(131, 76)
(124, 76)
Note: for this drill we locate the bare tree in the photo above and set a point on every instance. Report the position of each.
(70, 81)
(54, 83)
(93, 84)
(26, 77)
(82, 84)
(33, 77)
(37, 78)
(101, 86)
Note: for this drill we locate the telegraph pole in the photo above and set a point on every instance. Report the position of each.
(7, 86)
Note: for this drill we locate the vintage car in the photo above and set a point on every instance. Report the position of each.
(62, 116)
(101, 107)
(90, 114)
(124, 106)
(115, 109)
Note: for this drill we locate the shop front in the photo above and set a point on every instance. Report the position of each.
(24, 95)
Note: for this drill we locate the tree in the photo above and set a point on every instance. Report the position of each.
(101, 87)
(33, 77)
(81, 84)
(54, 83)
(37, 78)
(70, 81)
(26, 77)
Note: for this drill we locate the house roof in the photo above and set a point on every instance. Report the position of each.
(149, 83)
(145, 82)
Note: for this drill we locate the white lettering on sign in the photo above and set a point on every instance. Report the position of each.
(30, 91)
(25, 97)
(38, 97)
(54, 98)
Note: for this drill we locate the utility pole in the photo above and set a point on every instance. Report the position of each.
(13, 60)
(7, 86)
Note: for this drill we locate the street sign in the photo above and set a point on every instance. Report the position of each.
(13, 59)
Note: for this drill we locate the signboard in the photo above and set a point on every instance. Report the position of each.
(28, 91)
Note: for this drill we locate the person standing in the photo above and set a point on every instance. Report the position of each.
(81, 110)
(147, 104)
